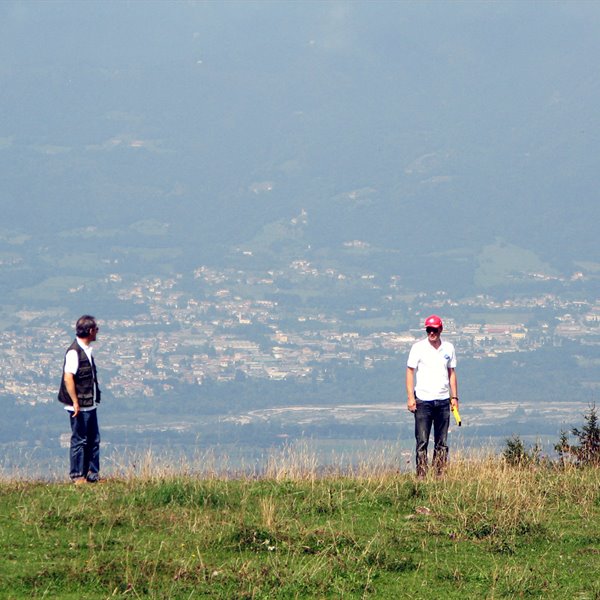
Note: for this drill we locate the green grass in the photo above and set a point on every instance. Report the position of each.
(483, 531)
(501, 262)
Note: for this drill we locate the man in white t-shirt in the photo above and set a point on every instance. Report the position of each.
(80, 394)
(432, 389)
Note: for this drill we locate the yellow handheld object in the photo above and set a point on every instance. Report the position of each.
(456, 415)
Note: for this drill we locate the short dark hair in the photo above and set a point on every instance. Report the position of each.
(84, 325)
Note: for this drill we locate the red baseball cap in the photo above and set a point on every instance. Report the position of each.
(434, 321)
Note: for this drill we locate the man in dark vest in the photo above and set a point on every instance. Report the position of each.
(80, 394)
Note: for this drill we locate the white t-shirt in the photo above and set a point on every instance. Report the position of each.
(71, 366)
(431, 369)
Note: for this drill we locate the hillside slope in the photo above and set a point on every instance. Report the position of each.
(484, 531)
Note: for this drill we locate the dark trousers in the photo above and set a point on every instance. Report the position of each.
(428, 413)
(85, 446)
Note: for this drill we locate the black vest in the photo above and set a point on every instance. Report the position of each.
(85, 380)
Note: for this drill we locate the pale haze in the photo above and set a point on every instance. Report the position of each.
(261, 201)
(480, 118)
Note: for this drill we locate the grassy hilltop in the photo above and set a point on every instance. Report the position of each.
(486, 530)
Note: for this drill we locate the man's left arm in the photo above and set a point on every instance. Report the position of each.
(453, 387)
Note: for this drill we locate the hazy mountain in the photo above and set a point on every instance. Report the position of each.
(436, 132)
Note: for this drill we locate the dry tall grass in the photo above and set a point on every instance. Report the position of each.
(164, 526)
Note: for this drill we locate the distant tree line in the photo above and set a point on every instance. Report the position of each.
(584, 452)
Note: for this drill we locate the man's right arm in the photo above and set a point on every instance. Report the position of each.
(411, 402)
(70, 385)
(71, 366)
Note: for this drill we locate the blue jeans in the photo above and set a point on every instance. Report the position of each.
(428, 413)
(85, 446)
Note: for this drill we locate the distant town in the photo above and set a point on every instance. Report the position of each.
(225, 325)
